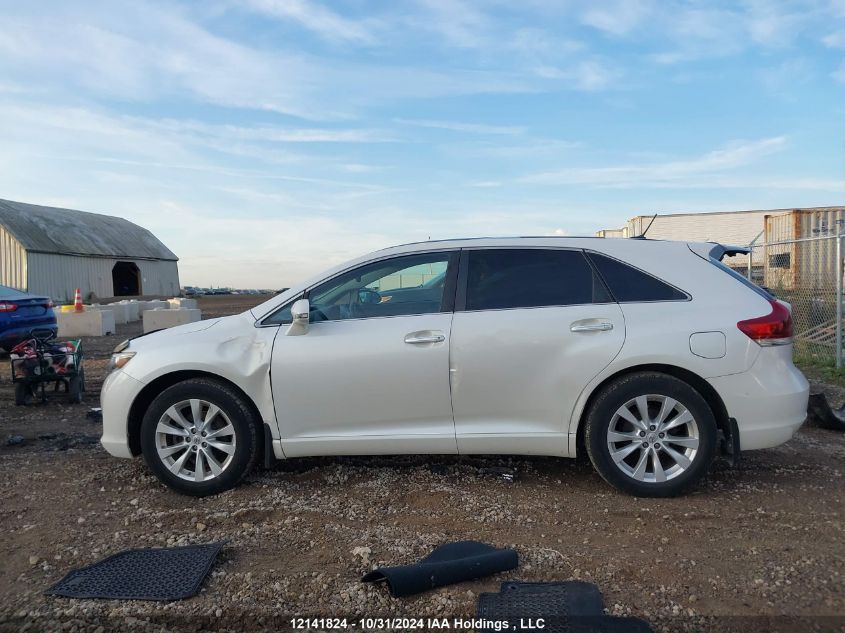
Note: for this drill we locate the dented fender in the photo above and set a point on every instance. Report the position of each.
(230, 347)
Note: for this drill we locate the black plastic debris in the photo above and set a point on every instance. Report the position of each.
(95, 414)
(820, 413)
(165, 573)
(446, 565)
(554, 607)
(14, 440)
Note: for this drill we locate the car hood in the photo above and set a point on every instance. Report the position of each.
(222, 327)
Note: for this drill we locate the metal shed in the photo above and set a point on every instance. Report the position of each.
(53, 251)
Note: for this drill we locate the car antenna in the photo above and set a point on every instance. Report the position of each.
(642, 236)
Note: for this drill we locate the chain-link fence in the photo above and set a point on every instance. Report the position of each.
(807, 273)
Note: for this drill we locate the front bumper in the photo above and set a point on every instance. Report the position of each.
(769, 401)
(116, 398)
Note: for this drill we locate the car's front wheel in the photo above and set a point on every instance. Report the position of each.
(200, 437)
(650, 434)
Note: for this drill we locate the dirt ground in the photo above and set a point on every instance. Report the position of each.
(757, 547)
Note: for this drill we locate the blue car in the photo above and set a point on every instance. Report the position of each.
(21, 312)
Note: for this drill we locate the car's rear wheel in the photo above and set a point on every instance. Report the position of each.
(650, 434)
(200, 437)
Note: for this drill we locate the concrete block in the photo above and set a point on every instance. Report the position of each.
(161, 318)
(132, 310)
(180, 302)
(155, 304)
(120, 312)
(88, 323)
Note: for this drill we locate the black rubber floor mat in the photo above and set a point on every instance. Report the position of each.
(563, 607)
(447, 564)
(164, 573)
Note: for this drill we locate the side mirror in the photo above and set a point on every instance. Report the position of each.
(300, 314)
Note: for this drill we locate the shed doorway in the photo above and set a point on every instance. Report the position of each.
(126, 279)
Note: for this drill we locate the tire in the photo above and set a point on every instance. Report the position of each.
(75, 387)
(23, 394)
(233, 427)
(684, 452)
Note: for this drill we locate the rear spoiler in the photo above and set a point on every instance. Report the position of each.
(717, 251)
(721, 251)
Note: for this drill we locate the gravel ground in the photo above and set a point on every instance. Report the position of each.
(757, 547)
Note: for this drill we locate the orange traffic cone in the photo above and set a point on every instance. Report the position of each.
(77, 301)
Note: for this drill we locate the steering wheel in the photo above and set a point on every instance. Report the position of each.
(368, 296)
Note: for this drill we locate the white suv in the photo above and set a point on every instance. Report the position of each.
(652, 356)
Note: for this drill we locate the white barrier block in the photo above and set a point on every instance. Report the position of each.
(120, 312)
(155, 304)
(132, 310)
(88, 323)
(162, 318)
(180, 302)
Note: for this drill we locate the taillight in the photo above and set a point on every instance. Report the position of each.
(49, 304)
(772, 329)
(8, 307)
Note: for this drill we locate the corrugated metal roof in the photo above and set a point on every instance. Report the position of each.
(69, 232)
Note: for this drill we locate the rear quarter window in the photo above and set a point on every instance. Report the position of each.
(630, 285)
(741, 279)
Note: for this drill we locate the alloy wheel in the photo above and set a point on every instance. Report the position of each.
(195, 440)
(653, 438)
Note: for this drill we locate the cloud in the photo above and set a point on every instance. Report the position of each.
(270, 134)
(770, 26)
(457, 126)
(315, 17)
(617, 18)
(138, 55)
(160, 149)
(787, 79)
(96, 136)
(150, 55)
(674, 173)
(360, 168)
(459, 23)
(703, 31)
(835, 39)
(525, 148)
(587, 75)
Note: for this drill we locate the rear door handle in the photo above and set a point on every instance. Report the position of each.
(602, 326)
(420, 338)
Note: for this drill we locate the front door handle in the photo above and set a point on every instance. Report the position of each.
(601, 326)
(420, 338)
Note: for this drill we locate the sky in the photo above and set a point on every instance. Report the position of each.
(265, 140)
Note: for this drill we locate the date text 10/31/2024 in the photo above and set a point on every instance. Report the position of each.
(375, 624)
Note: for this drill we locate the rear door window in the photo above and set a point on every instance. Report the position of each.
(631, 285)
(530, 278)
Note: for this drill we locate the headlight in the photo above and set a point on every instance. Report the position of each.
(119, 359)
